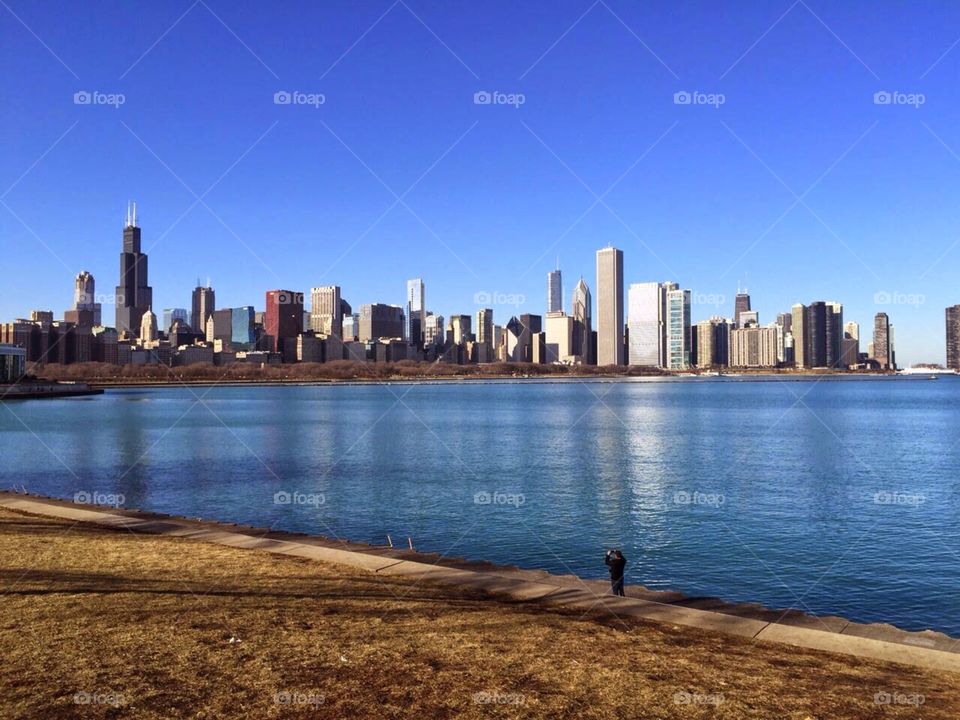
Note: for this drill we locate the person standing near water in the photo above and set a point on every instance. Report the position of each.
(616, 562)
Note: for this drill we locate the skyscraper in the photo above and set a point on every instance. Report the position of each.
(953, 337)
(740, 305)
(798, 328)
(416, 317)
(148, 326)
(834, 333)
(678, 329)
(582, 324)
(85, 296)
(204, 302)
(554, 291)
(171, 315)
(326, 317)
(485, 327)
(134, 294)
(610, 350)
(380, 321)
(881, 340)
(646, 317)
(283, 321)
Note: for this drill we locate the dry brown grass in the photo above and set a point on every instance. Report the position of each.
(90, 610)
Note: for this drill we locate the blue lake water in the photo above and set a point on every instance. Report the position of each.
(834, 497)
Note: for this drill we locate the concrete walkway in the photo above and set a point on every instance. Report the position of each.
(879, 642)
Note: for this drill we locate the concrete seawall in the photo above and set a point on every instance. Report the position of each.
(880, 642)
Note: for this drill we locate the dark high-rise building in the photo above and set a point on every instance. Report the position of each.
(834, 334)
(134, 295)
(740, 305)
(202, 307)
(953, 337)
(815, 340)
(283, 321)
(881, 340)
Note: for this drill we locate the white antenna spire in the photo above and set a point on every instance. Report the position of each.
(135, 213)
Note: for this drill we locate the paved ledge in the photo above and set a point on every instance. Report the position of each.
(879, 642)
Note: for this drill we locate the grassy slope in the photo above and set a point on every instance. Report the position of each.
(150, 619)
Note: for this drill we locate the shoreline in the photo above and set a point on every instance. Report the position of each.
(125, 383)
(882, 641)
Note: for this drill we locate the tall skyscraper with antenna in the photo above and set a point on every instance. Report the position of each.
(134, 295)
(554, 291)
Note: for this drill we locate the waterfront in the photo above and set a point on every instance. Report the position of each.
(833, 497)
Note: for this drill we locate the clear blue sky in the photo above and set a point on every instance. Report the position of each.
(707, 196)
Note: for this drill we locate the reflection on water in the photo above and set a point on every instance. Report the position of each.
(835, 497)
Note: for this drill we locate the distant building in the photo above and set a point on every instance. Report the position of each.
(798, 326)
(753, 347)
(554, 291)
(953, 337)
(610, 347)
(380, 321)
(581, 311)
(740, 305)
(13, 363)
(416, 314)
(134, 294)
(485, 328)
(646, 319)
(558, 338)
(171, 315)
(713, 343)
(519, 338)
(434, 331)
(325, 310)
(148, 327)
(203, 304)
(678, 329)
(881, 340)
(283, 321)
(86, 310)
(459, 330)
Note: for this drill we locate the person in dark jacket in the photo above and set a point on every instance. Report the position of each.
(616, 562)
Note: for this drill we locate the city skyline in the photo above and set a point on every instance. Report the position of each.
(405, 168)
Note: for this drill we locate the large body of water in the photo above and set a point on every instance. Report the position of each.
(834, 497)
